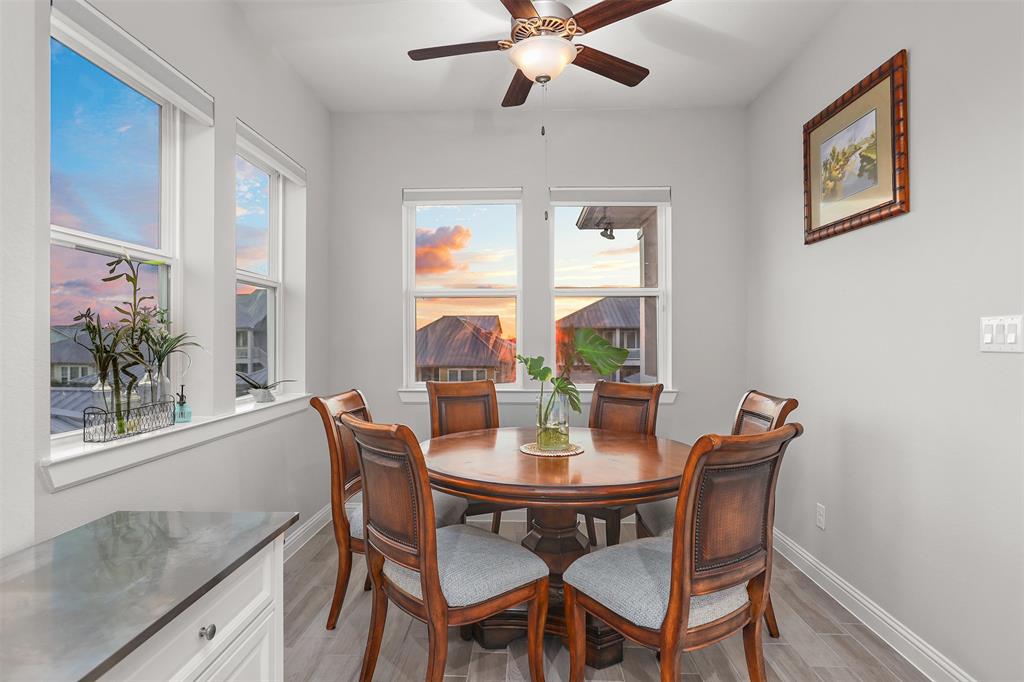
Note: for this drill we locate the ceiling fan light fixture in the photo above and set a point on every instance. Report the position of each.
(542, 58)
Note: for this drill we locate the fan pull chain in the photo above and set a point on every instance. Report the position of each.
(544, 134)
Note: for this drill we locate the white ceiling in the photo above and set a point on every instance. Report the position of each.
(706, 53)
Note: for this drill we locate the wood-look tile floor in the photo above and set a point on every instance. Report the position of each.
(821, 641)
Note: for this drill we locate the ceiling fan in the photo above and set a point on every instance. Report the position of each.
(540, 44)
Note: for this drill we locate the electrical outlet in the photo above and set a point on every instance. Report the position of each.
(819, 516)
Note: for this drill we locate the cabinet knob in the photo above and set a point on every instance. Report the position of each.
(208, 632)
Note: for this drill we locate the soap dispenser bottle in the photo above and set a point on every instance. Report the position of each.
(182, 411)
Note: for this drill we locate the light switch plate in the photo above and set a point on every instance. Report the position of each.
(1001, 334)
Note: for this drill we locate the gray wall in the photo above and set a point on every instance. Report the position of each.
(378, 155)
(913, 437)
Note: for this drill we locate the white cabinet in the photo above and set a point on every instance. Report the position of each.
(233, 632)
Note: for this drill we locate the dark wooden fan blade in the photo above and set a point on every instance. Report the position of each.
(610, 11)
(452, 50)
(609, 66)
(518, 90)
(520, 9)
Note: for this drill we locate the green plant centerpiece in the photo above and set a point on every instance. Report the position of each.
(588, 348)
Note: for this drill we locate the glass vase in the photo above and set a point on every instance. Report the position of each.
(102, 395)
(148, 389)
(552, 422)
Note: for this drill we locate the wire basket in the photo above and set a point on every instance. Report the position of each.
(100, 426)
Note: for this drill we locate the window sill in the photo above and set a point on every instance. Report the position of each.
(515, 396)
(72, 462)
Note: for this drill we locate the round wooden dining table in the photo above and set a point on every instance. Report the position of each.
(615, 468)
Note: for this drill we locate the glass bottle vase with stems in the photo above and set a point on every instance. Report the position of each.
(552, 421)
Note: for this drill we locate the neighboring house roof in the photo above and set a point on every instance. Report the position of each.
(606, 313)
(64, 351)
(251, 309)
(463, 341)
(66, 405)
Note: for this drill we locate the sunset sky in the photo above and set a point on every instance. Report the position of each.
(105, 179)
(252, 217)
(474, 247)
(104, 152)
(583, 258)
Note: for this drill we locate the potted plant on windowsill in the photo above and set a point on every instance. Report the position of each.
(587, 347)
(261, 392)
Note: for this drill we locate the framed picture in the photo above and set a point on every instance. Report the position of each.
(856, 158)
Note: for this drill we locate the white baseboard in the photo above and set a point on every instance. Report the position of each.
(305, 532)
(926, 658)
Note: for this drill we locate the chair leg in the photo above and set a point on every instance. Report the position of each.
(496, 522)
(367, 585)
(591, 530)
(378, 616)
(437, 634)
(538, 613)
(340, 586)
(769, 620)
(753, 648)
(612, 528)
(669, 662)
(575, 623)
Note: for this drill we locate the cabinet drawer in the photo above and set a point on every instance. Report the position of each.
(250, 659)
(178, 652)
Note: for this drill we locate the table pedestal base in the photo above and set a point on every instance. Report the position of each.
(555, 538)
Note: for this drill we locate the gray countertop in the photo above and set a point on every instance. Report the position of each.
(73, 606)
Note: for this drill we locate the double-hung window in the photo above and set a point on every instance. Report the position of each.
(463, 285)
(609, 274)
(113, 156)
(258, 198)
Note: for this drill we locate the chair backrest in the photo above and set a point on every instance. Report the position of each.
(725, 513)
(344, 465)
(759, 412)
(458, 406)
(625, 407)
(398, 510)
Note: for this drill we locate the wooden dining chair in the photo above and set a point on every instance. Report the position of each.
(758, 413)
(449, 576)
(620, 407)
(458, 406)
(708, 579)
(346, 489)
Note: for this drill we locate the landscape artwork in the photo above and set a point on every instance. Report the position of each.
(849, 160)
(856, 156)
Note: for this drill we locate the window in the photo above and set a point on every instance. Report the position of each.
(258, 194)
(111, 176)
(463, 302)
(606, 276)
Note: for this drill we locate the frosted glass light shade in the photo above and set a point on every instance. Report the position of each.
(542, 57)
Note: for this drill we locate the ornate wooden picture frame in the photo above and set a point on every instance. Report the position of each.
(856, 155)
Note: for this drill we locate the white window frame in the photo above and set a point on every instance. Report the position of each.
(662, 292)
(411, 292)
(167, 251)
(273, 281)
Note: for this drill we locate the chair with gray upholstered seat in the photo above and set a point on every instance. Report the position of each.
(624, 407)
(442, 576)
(346, 490)
(706, 580)
(459, 406)
(758, 413)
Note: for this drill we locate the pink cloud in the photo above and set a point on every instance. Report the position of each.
(435, 249)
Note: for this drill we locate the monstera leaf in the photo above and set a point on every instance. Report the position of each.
(596, 351)
(566, 387)
(535, 367)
